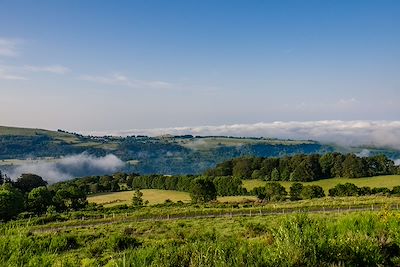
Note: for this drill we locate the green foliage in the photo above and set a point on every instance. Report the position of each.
(39, 199)
(11, 202)
(344, 190)
(137, 199)
(295, 191)
(29, 181)
(123, 242)
(228, 186)
(63, 243)
(312, 191)
(70, 198)
(306, 168)
(203, 190)
(272, 191)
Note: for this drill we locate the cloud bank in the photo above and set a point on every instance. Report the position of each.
(70, 167)
(383, 134)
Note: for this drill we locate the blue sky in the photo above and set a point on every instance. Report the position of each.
(113, 65)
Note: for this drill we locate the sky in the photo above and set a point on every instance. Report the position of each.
(120, 65)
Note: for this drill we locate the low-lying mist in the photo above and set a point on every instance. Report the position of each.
(381, 134)
(69, 167)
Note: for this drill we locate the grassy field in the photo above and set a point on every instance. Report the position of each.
(154, 196)
(212, 142)
(327, 239)
(388, 181)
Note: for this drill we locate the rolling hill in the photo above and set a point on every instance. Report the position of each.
(142, 154)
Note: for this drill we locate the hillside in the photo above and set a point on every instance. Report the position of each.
(164, 154)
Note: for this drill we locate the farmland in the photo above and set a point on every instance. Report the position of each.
(153, 196)
(388, 181)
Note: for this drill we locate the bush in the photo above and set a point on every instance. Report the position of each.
(63, 243)
(312, 191)
(122, 242)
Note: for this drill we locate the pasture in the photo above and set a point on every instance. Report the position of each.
(154, 196)
(388, 181)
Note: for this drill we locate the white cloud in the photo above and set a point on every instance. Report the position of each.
(344, 133)
(122, 80)
(6, 75)
(56, 69)
(9, 47)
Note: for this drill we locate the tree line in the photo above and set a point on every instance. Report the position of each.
(224, 185)
(30, 194)
(274, 191)
(305, 168)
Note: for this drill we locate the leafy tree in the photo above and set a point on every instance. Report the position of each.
(295, 191)
(271, 192)
(327, 162)
(353, 167)
(137, 199)
(242, 168)
(29, 181)
(228, 186)
(312, 191)
(11, 202)
(70, 198)
(202, 190)
(275, 176)
(39, 199)
(344, 190)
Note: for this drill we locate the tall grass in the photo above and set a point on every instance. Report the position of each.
(357, 239)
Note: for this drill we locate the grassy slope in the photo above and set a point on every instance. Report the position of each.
(4, 130)
(212, 142)
(388, 181)
(154, 196)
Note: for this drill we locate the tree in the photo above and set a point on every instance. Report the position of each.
(202, 190)
(228, 186)
(11, 202)
(242, 168)
(271, 192)
(39, 199)
(29, 181)
(353, 167)
(70, 198)
(275, 175)
(312, 191)
(137, 199)
(344, 190)
(295, 191)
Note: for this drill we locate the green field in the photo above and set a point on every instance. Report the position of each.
(154, 196)
(388, 181)
(326, 239)
(208, 143)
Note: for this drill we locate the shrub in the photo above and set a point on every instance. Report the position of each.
(122, 242)
(63, 243)
(312, 191)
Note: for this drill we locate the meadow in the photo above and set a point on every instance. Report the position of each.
(153, 196)
(388, 181)
(325, 239)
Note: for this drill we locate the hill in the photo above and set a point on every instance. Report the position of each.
(142, 154)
